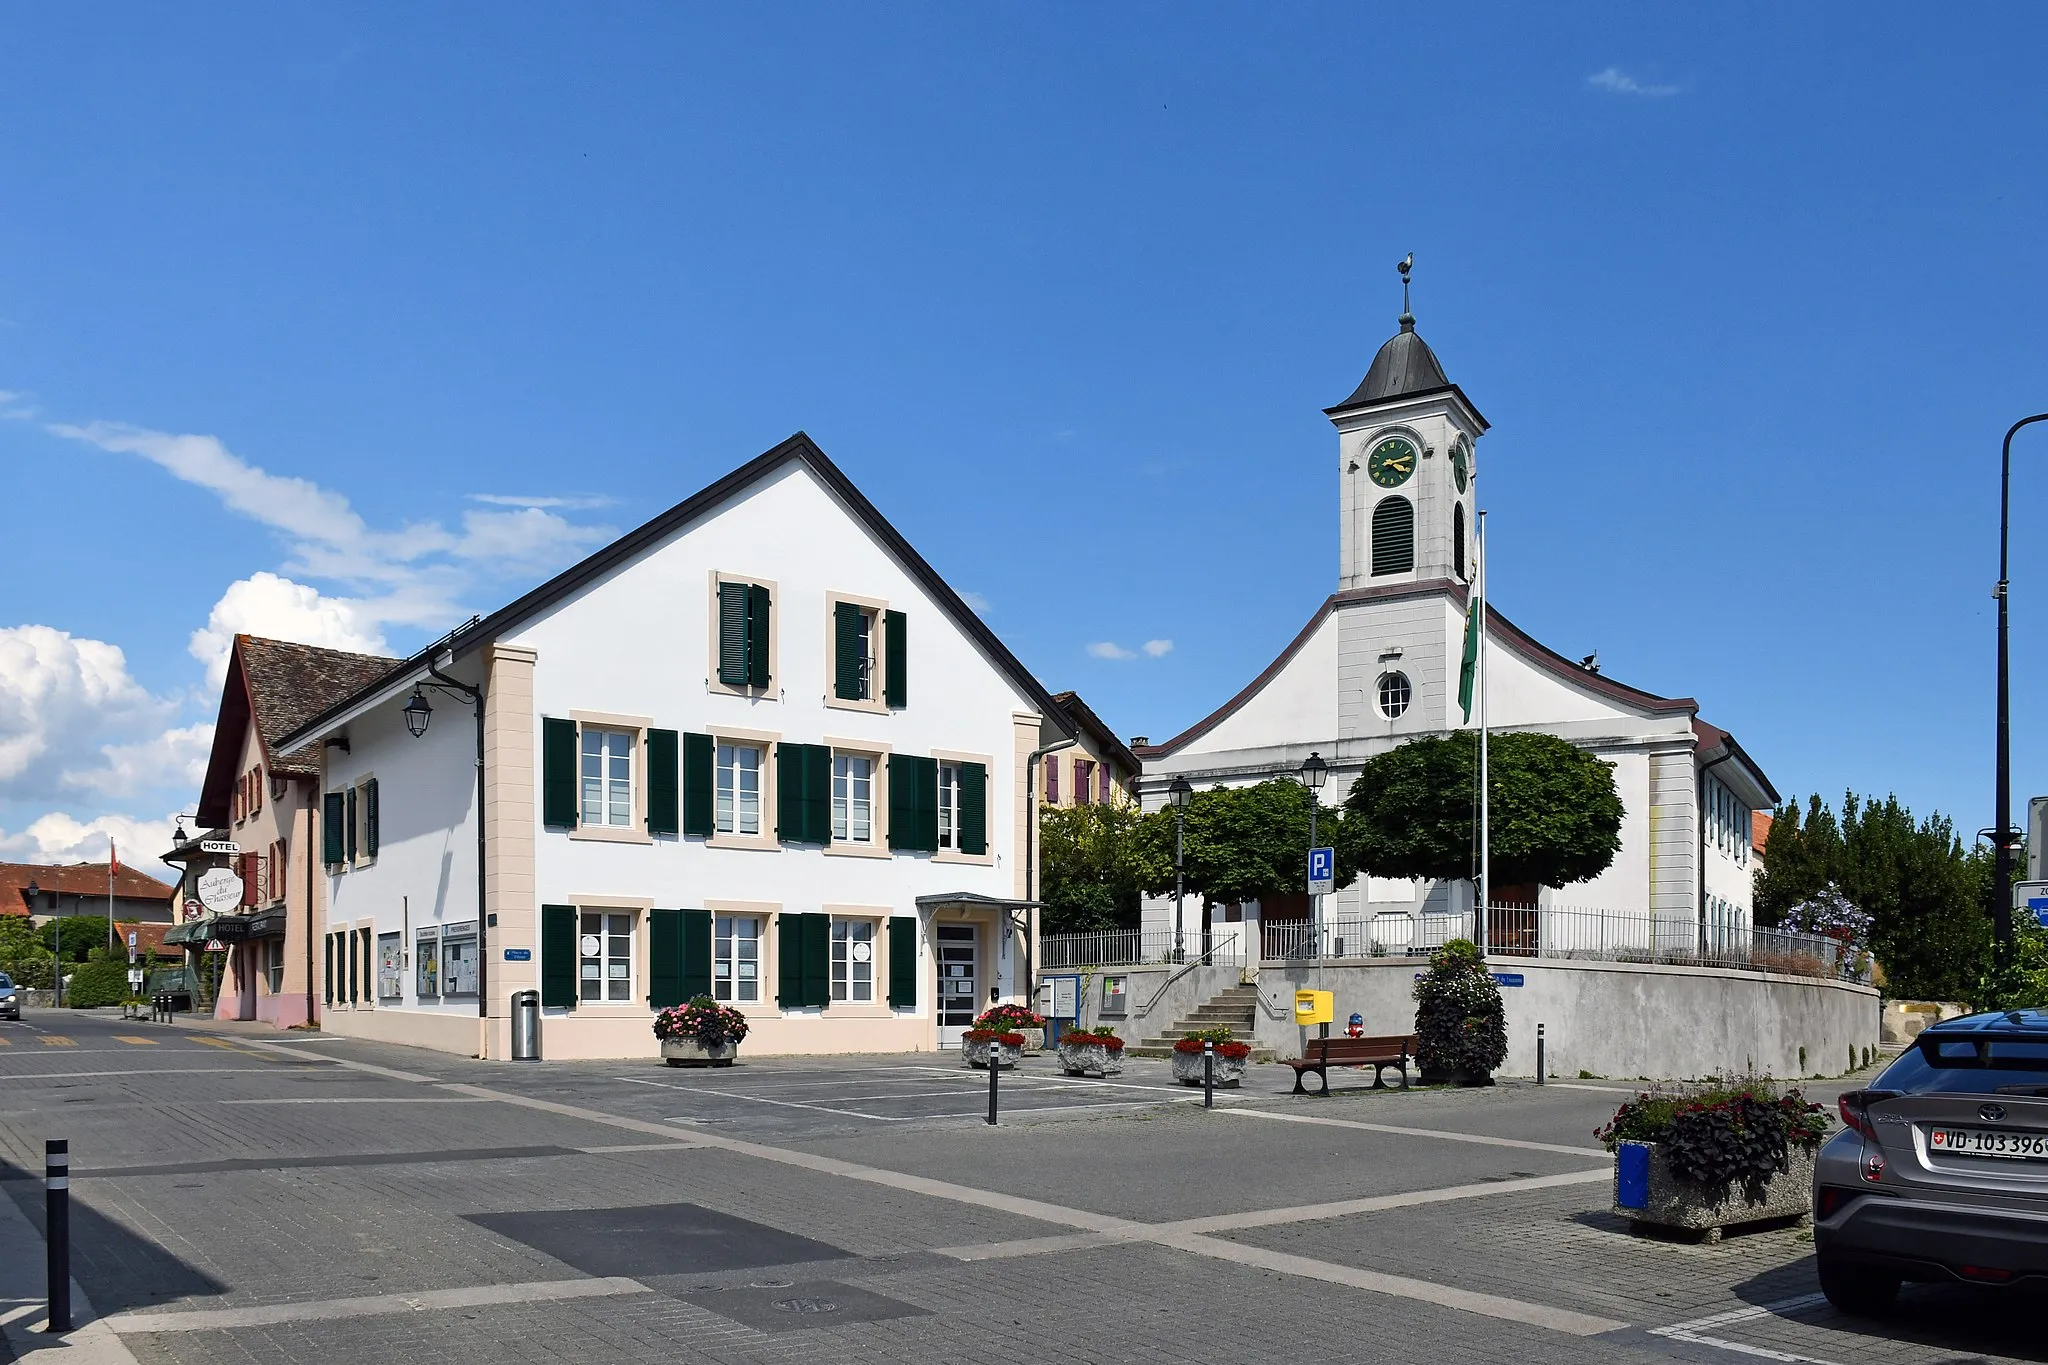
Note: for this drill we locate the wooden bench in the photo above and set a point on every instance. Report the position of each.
(1394, 1050)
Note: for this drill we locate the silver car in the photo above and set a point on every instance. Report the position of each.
(10, 998)
(1942, 1171)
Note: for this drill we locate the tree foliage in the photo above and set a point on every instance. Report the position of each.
(1095, 862)
(22, 954)
(1242, 843)
(81, 933)
(1926, 902)
(1554, 815)
(1460, 1023)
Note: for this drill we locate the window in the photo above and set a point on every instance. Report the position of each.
(1084, 780)
(390, 966)
(275, 970)
(736, 958)
(741, 638)
(607, 777)
(853, 961)
(853, 798)
(739, 789)
(949, 805)
(853, 652)
(1458, 539)
(426, 960)
(1393, 536)
(458, 959)
(1395, 694)
(605, 951)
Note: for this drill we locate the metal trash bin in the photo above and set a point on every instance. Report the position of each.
(526, 1026)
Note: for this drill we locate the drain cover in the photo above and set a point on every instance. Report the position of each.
(807, 1305)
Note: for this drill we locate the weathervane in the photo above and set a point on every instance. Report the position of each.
(1407, 264)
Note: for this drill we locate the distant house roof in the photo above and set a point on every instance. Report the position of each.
(1759, 829)
(1100, 735)
(75, 879)
(1714, 744)
(284, 685)
(800, 449)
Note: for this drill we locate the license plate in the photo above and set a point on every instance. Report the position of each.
(1989, 1142)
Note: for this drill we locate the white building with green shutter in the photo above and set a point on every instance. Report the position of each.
(756, 749)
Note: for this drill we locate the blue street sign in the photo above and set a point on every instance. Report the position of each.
(1506, 978)
(1322, 871)
(2039, 905)
(519, 954)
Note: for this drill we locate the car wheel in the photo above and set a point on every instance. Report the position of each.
(1862, 1290)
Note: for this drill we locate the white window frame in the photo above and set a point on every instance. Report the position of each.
(605, 799)
(1384, 685)
(614, 987)
(847, 972)
(634, 831)
(729, 985)
(853, 798)
(727, 817)
(955, 759)
(875, 609)
(949, 806)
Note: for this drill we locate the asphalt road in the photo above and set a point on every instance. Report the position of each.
(247, 1197)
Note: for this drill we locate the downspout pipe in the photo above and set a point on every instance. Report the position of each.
(1700, 817)
(312, 833)
(475, 696)
(1031, 852)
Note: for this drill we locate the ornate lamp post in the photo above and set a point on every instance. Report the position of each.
(1180, 793)
(1314, 773)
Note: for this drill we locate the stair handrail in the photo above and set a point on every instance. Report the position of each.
(1199, 960)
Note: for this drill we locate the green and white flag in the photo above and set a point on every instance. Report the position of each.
(1468, 671)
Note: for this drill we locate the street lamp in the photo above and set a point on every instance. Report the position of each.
(1314, 773)
(2005, 836)
(56, 967)
(417, 714)
(1180, 793)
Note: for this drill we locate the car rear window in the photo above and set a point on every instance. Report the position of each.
(1968, 1066)
(5, 981)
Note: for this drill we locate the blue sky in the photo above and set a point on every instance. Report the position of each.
(1748, 294)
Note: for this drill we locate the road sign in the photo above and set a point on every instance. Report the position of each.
(135, 976)
(131, 938)
(219, 890)
(519, 954)
(2032, 897)
(1322, 871)
(1506, 978)
(193, 909)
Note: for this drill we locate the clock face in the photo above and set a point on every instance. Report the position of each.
(1391, 462)
(1461, 463)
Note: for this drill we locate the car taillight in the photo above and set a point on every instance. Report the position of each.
(1828, 1198)
(1851, 1105)
(1985, 1273)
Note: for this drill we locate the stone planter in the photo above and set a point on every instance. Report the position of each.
(1090, 1059)
(690, 1052)
(977, 1054)
(1034, 1041)
(1648, 1191)
(1187, 1069)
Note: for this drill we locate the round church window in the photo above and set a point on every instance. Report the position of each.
(1394, 694)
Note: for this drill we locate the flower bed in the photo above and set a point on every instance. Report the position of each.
(1014, 1019)
(1231, 1058)
(1233, 1050)
(984, 1047)
(1095, 1052)
(1731, 1153)
(702, 1032)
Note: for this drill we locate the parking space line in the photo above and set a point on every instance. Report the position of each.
(1485, 1139)
(152, 1071)
(1691, 1333)
(366, 1099)
(273, 1314)
(1076, 1081)
(763, 1099)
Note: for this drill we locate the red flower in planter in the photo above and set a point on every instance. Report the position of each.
(1235, 1051)
(988, 1035)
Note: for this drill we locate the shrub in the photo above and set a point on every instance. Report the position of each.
(1237, 1052)
(1460, 1025)
(1742, 1131)
(102, 981)
(704, 1019)
(1219, 1034)
(1008, 1017)
(989, 1035)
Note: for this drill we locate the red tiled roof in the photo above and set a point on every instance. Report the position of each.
(282, 685)
(76, 879)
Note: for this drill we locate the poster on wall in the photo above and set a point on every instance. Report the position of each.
(390, 966)
(458, 959)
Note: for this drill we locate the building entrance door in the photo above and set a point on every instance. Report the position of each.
(958, 978)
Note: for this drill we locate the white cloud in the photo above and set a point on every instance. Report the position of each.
(1108, 649)
(529, 537)
(976, 603)
(566, 504)
(1158, 648)
(61, 838)
(279, 609)
(174, 759)
(63, 701)
(1615, 81)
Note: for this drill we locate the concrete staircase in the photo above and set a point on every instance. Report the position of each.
(1235, 1009)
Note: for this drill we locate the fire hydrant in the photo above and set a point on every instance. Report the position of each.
(1356, 1026)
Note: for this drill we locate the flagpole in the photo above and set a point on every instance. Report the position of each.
(113, 855)
(1485, 864)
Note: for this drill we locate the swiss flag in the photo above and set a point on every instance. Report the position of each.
(113, 859)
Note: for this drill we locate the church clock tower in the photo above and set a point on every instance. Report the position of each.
(1405, 443)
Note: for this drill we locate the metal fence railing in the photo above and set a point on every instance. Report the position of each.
(1587, 934)
(1137, 948)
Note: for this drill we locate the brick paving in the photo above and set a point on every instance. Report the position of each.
(214, 1203)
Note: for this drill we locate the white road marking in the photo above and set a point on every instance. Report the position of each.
(671, 1146)
(265, 1315)
(1603, 1089)
(1484, 1139)
(367, 1099)
(153, 1071)
(1692, 1333)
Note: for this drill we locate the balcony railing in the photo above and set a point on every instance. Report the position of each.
(1586, 934)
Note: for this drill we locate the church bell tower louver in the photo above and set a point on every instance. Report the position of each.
(1406, 439)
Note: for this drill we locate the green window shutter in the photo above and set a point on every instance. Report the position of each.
(732, 634)
(789, 960)
(664, 815)
(695, 955)
(896, 666)
(928, 805)
(348, 825)
(757, 635)
(664, 958)
(369, 965)
(558, 772)
(354, 981)
(903, 962)
(332, 812)
(849, 658)
(818, 792)
(370, 818)
(817, 931)
(790, 810)
(973, 808)
(328, 956)
(699, 816)
(903, 802)
(558, 956)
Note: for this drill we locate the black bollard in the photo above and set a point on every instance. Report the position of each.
(57, 1229)
(1208, 1075)
(1541, 1070)
(995, 1069)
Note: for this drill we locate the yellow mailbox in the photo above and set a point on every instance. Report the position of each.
(1314, 1007)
